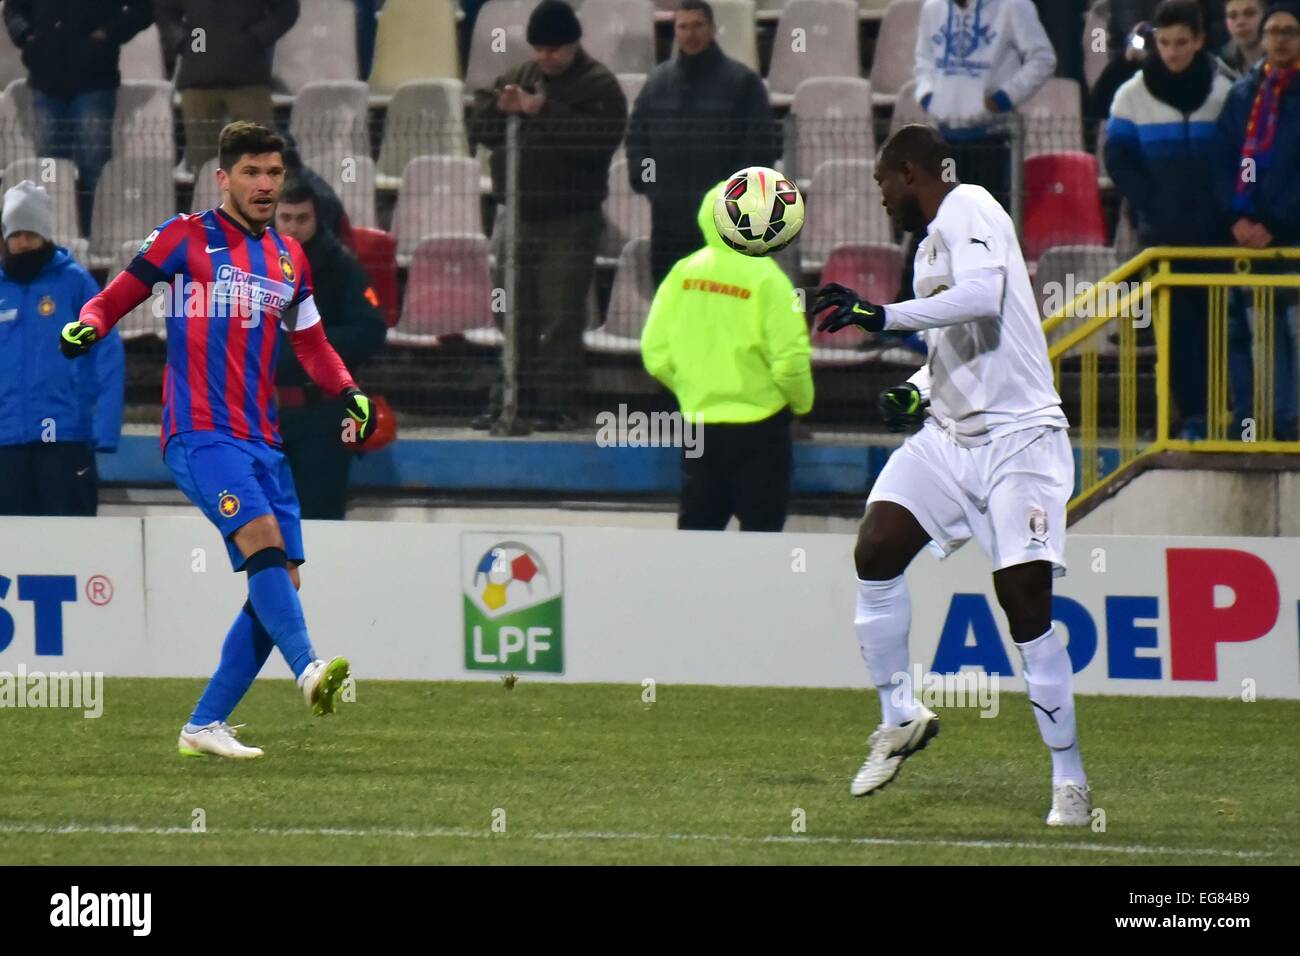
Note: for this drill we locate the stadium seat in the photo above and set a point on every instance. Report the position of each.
(629, 303)
(353, 179)
(377, 252)
(439, 194)
(907, 109)
(1061, 272)
(59, 177)
(132, 197)
(833, 119)
(1054, 118)
(1062, 203)
(448, 290)
(424, 118)
(873, 270)
(207, 194)
(142, 58)
(142, 124)
(415, 40)
(619, 33)
(631, 84)
(331, 117)
(11, 61)
(17, 138)
(843, 207)
(895, 59)
(831, 32)
(734, 22)
(873, 9)
(141, 320)
(485, 61)
(627, 214)
(321, 46)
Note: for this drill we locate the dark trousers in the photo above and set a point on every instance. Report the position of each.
(49, 478)
(674, 235)
(556, 265)
(744, 471)
(317, 458)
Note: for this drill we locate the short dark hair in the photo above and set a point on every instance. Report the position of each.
(299, 190)
(700, 6)
(1172, 13)
(242, 138)
(919, 145)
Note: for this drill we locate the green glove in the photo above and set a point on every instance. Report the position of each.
(77, 338)
(361, 410)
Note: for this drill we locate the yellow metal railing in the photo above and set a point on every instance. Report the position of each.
(1095, 350)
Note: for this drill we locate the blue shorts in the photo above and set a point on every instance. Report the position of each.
(233, 481)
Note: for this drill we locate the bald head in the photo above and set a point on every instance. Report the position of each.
(914, 173)
(919, 146)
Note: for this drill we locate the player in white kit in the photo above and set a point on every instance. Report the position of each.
(992, 460)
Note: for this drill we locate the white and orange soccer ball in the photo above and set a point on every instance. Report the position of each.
(759, 212)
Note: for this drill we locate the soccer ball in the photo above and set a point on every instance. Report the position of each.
(759, 211)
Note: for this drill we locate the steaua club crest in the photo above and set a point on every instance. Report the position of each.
(46, 306)
(228, 505)
(286, 267)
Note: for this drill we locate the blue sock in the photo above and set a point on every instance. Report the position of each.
(276, 604)
(245, 650)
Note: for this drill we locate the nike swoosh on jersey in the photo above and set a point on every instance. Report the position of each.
(83, 471)
(209, 250)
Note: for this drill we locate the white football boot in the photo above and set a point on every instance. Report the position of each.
(1071, 806)
(216, 738)
(890, 746)
(321, 681)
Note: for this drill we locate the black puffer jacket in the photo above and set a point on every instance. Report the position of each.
(699, 119)
(54, 36)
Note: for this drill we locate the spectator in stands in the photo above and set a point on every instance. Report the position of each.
(1259, 167)
(572, 114)
(311, 423)
(976, 59)
(70, 49)
(225, 49)
(1126, 14)
(700, 117)
(1062, 20)
(54, 414)
(1246, 48)
(331, 214)
(722, 336)
(1159, 152)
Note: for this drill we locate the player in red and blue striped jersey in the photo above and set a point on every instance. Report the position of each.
(230, 282)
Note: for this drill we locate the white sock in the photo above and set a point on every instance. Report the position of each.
(882, 620)
(1050, 681)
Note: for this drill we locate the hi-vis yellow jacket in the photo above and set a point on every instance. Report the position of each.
(727, 336)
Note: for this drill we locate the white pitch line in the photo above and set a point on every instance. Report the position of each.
(598, 835)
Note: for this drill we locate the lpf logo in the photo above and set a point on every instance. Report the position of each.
(513, 599)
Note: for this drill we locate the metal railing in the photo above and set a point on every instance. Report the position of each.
(1122, 397)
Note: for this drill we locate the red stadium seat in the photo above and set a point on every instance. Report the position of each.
(377, 251)
(873, 271)
(1062, 203)
(448, 290)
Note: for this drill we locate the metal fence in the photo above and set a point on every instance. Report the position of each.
(516, 274)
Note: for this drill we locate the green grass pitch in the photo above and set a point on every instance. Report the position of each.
(430, 772)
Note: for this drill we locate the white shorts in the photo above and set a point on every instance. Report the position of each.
(1009, 495)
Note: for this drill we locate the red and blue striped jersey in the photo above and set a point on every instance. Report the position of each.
(227, 294)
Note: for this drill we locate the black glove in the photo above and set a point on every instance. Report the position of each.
(361, 410)
(901, 406)
(77, 338)
(847, 309)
